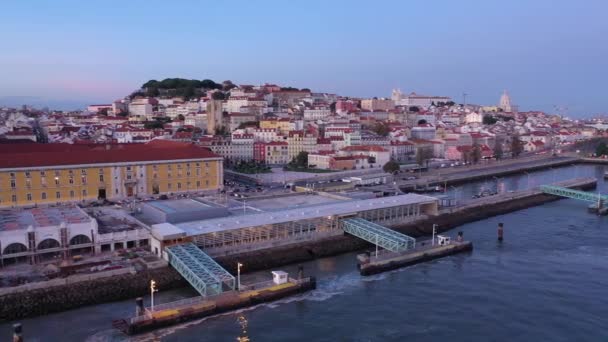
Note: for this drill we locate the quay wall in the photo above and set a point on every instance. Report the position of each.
(506, 171)
(45, 300)
(40, 301)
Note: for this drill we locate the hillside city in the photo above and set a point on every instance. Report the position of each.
(253, 127)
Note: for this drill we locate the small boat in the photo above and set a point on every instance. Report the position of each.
(606, 175)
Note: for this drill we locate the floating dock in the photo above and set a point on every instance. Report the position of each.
(198, 307)
(370, 263)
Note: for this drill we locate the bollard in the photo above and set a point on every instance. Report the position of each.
(460, 237)
(139, 306)
(17, 333)
(500, 232)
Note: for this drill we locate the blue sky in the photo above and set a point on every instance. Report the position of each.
(546, 53)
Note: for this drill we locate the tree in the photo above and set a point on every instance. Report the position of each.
(246, 124)
(300, 161)
(423, 154)
(475, 154)
(332, 107)
(498, 150)
(381, 129)
(489, 120)
(103, 111)
(601, 149)
(414, 109)
(422, 122)
(218, 95)
(181, 117)
(517, 146)
(391, 167)
(227, 85)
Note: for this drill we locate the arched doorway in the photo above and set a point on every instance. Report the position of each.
(48, 244)
(14, 249)
(80, 239)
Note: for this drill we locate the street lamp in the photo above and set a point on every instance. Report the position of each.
(152, 290)
(238, 275)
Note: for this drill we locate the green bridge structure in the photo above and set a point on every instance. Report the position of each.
(602, 200)
(200, 270)
(378, 235)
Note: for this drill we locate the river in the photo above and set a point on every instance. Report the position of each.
(546, 282)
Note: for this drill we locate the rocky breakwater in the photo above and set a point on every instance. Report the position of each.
(64, 294)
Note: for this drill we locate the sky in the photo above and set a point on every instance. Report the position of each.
(547, 53)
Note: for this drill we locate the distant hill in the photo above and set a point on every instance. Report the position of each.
(179, 87)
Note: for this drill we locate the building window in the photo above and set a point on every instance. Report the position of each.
(206, 164)
(83, 172)
(155, 175)
(83, 179)
(179, 166)
(101, 171)
(71, 172)
(56, 180)
(169, 186)
(28, 182)
(13, 183)
(84, 193)
(42, 174)
(29, 197)
(198, 164)
(57, 173)
(188, 173)
(71, 193)
(206, 183)
(198, 172)
(43, 181)
(168, 166)
(198, 184)
(58, 195)
(12, 175)
(27, 174)
(101, 178)
(43, 195)
(128, 168)
(154, 167)
(71, 180)
(14, 198)
(179, 185)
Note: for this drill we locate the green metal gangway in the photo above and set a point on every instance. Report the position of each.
(378, 235)
(200, 270)
(575, 194)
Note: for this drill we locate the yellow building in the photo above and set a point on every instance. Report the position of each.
(32, 174)
(282, 125)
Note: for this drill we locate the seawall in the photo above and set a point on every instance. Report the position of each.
(102, 290)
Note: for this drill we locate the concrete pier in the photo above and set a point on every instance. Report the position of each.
(369, 265)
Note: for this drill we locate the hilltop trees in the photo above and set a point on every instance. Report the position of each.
(179, 87)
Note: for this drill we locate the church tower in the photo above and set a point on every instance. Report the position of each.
(505, 102)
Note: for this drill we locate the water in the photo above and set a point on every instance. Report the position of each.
(546, 282)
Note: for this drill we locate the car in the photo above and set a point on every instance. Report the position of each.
(411, 178)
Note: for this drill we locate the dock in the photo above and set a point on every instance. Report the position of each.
(163, 315)
(370, 264)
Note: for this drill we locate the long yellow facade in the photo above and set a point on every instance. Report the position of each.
(60, 184)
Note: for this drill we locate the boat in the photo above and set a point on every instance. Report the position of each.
(606, 175)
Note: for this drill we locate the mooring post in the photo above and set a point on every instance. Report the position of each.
(460, 237)
(139, 306)
(500, 232)
(17, 332)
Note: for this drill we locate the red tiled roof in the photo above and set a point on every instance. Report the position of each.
(364, 148)
(40, 155)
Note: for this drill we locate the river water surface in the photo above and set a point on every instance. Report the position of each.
(548, 281)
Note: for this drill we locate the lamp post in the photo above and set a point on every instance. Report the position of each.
(152, 290)
(238, 275)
